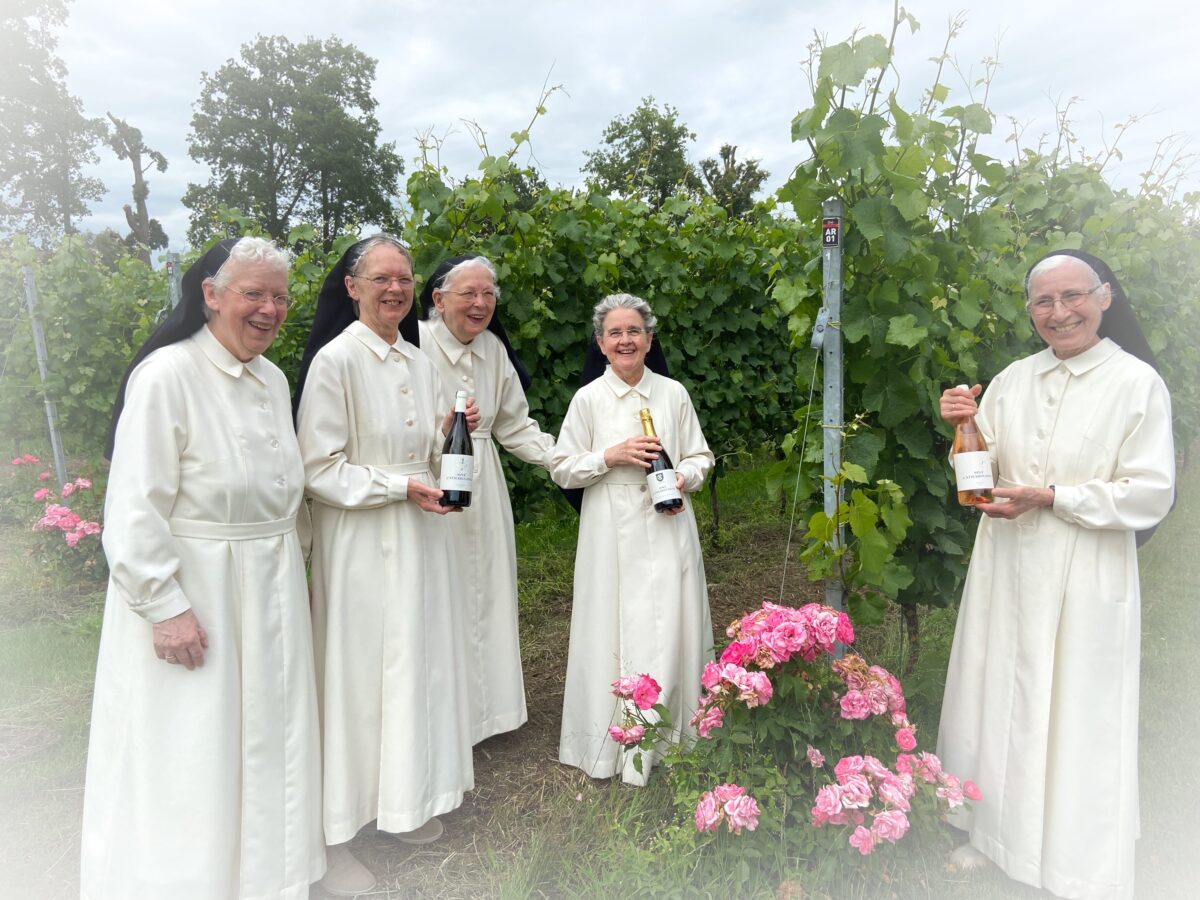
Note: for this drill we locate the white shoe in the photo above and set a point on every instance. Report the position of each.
(345, 876)
(967, 859)
(426, 834)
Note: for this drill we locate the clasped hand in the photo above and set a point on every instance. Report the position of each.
(1018, 501)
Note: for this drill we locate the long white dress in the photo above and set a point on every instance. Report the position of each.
(204, 783)
(396, 736)
(1041, 703)
(640, 600)
(483, 536)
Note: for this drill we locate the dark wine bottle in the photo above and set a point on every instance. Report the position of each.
(458, 458)
(972, 464)
(660, 480)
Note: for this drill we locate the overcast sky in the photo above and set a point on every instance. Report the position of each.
(732, 69)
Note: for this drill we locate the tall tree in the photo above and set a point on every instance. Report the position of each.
(145, 233)
(45, 140)
(646, 155)
(731, 183)
(290, 133)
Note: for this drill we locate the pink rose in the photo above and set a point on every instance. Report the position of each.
(971, 790)
(906, 740)
(951, 791)
(68, 489)
(845, 629)
(44, 476)
(41, 493)
(890, 826)
(892, 793)
(847, 766)
(72, 538)
(710, 677)
(708, 813)
(828, 802)
(623, 687)
(743, 813)
(627, 736)
(738, 652)
(88, 528)
(856, 792)
(855, 705)
(726, 792)
(84, 484)
(646, 692)
(876, 769)
(863, 840)
(815, 757)
(713, 717)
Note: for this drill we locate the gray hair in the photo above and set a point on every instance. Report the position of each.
(623, 301)
(475, 262)
(249, 251)
(360, 250)
(1056, 261)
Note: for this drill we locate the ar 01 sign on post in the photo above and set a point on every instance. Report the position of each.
(831, 229)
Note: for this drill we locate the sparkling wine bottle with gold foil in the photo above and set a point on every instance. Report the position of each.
(972, 464)
(660, 480)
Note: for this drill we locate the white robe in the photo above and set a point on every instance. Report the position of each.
(396, 737)
(1041, 704)
(640, 600)
(204, 783)
(483, 535)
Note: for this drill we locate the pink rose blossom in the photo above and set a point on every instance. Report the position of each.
(713, 717)
(906, 763)
(906, 740)
(68, 489)
(627, 736)
(41, 493)
(890, 826)
(856, 792)
(708, 813)
(88, 528)
(877, 770)
(971, 790)
(828, 803)
(646, 692)
(855, 705)
(710, 677)
(84, 484)
(847, 766)
(815, 757)
(44, 476)
(845, 629)
(951, 790)
(892, 793)
(743, 813)
(72, 538)
(623, 687)
(726, 792)
(863, 840)
(739, 651)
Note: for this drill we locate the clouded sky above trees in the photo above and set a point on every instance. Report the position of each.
(733, 72)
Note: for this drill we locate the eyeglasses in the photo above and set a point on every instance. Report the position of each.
(383, 282)
(281, 301)
(488, 295)
(1042, 306)
(615, 334)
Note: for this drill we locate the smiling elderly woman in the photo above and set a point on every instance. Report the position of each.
(397, 741)
(640, 600)
(1041, 705)
(203, 775)
(470, 349)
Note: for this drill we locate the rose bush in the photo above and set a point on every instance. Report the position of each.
(774, 707)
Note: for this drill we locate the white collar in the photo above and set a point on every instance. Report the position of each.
(620, 388)
(452, 346)
(1080, 363)
(376, 344)
(218, 354)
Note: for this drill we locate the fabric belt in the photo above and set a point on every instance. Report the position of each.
(624, 475)
(231, 531)
(412, 468)
(482, 433)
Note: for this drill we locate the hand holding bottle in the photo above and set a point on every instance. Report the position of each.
(472, 413)
(958, 403)
(428, 498)
(634, 451)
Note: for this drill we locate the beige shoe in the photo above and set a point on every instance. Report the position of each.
(345, 876)
(426, 834)
(967, 859)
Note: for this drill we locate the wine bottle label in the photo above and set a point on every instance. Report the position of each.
(662, 486)
(456, 472)
(973, 470)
